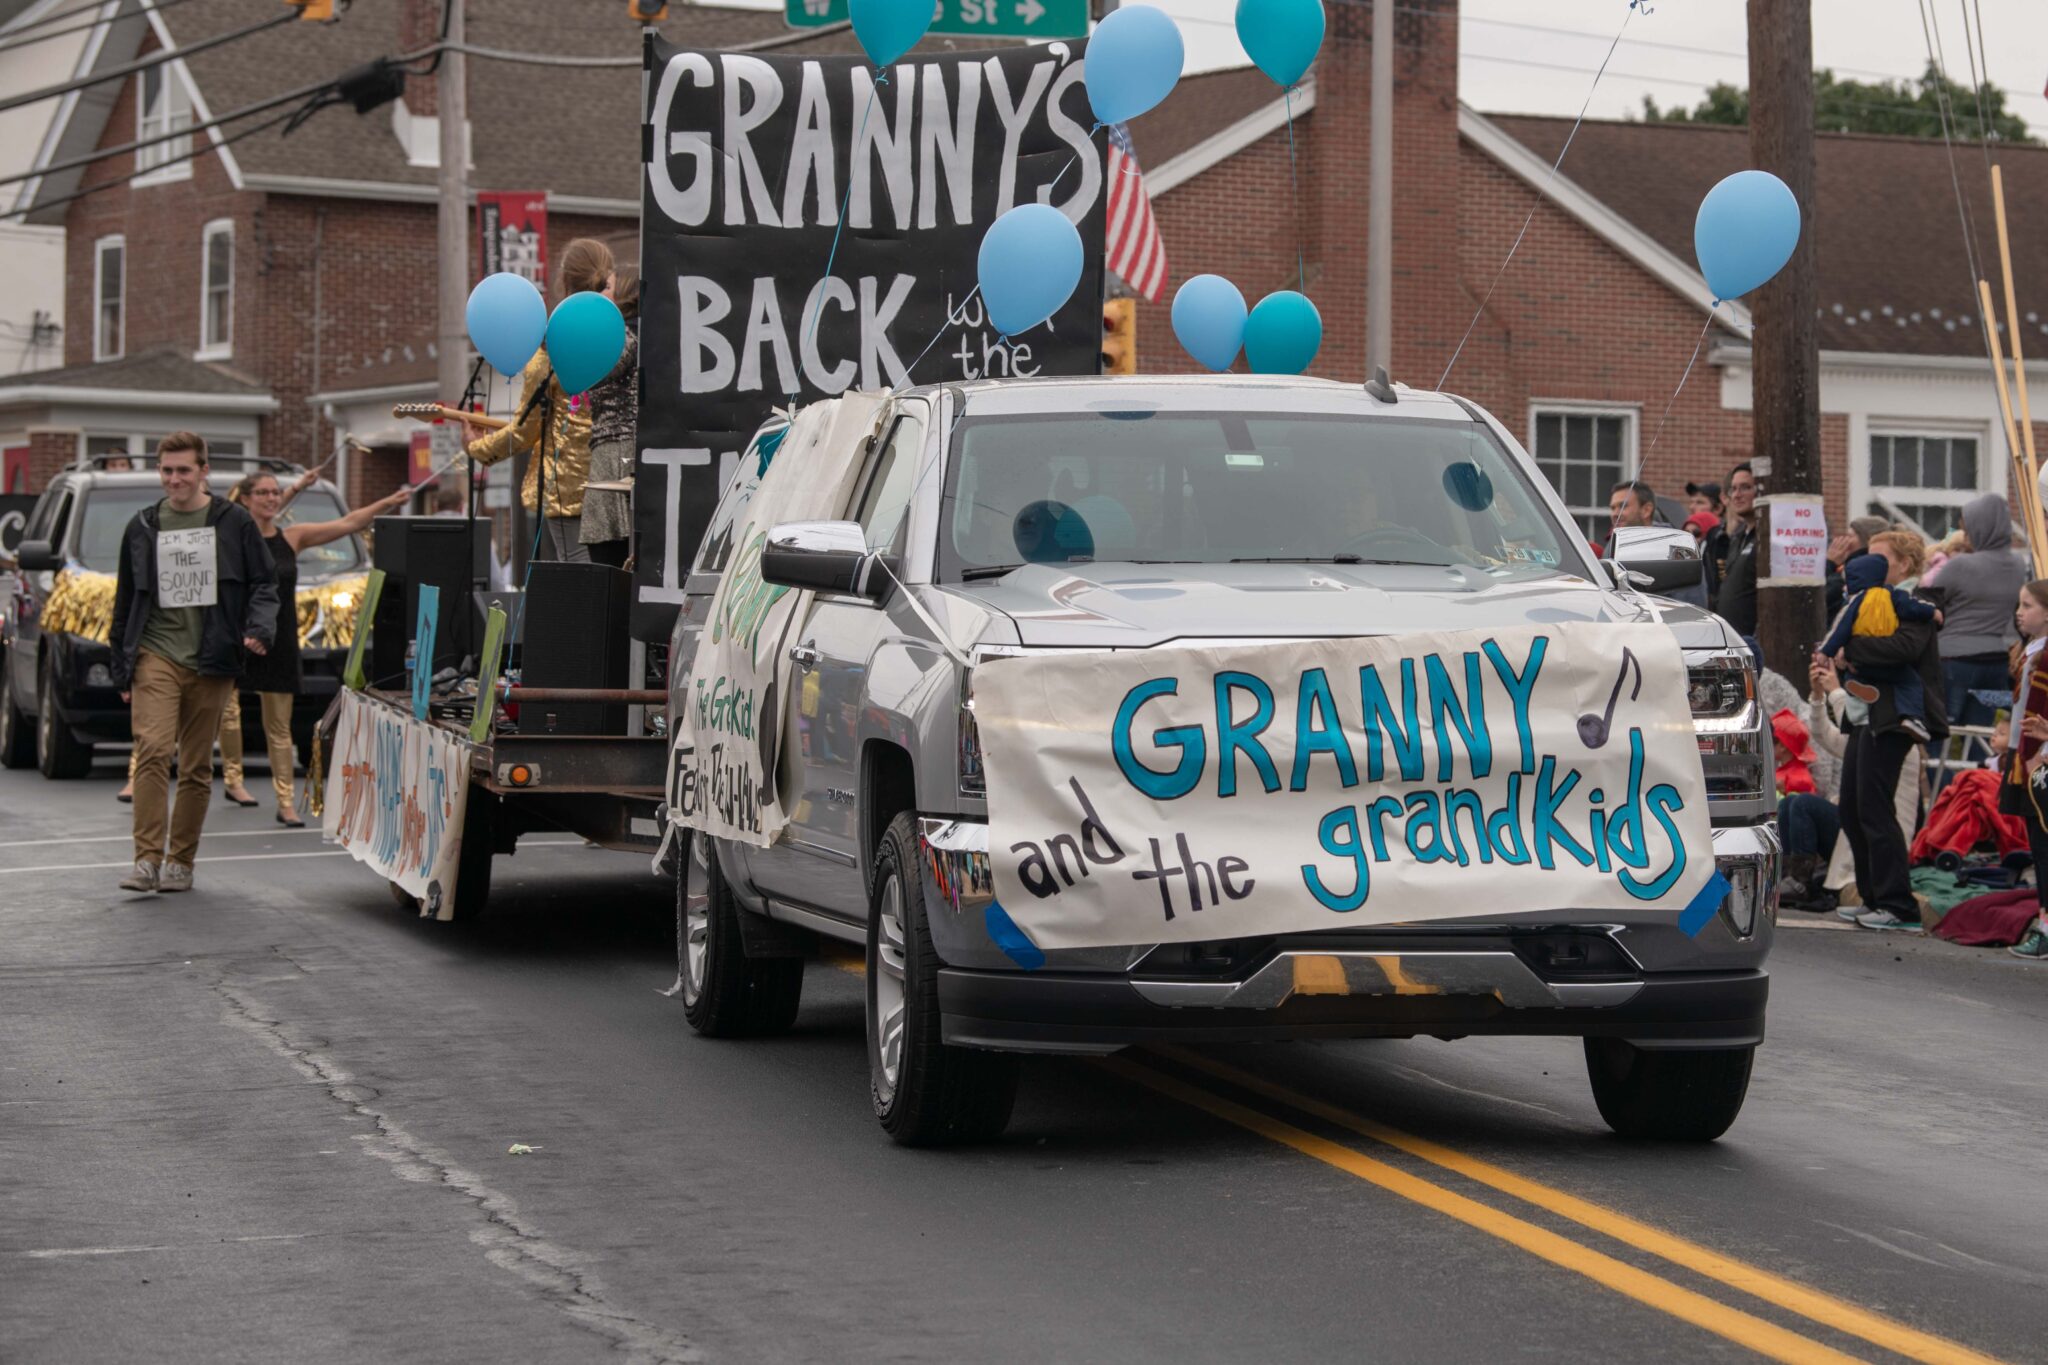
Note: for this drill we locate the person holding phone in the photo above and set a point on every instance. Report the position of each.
(2023, 756)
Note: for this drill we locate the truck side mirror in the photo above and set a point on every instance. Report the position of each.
(1666, 555)
(824, 556)
(35, 556)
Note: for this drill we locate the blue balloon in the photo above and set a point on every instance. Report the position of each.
(1747, 229)
(586, 336)
(1281, 36)
(888, 28)
(1209, 318)
(1134, 59)
(1283, 334)
(1030, 262)
(506, 320)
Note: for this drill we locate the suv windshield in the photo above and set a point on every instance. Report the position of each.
(1218, 487)
(108, 509)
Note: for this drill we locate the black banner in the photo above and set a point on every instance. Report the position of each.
(747, 160)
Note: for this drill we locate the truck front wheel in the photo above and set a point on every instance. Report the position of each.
(926, 1094)
(1662, 1096)
(726, 994)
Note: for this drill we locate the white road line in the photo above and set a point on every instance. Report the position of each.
(123, 838)
(53, 1253)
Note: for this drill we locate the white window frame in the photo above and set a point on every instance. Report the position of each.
(114, 242)
(221, 347)
(1898, 495)
(170, 161)
(1631, 441)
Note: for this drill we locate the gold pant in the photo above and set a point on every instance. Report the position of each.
(174, 710)
(277, 733)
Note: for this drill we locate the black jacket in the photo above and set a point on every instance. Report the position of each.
(1735, 595)
(1915, 645)
(246, 604)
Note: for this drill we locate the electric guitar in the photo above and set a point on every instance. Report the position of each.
(436, 412)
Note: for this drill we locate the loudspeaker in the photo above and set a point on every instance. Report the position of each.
(506, 600)
(576, 636)
(415, 552)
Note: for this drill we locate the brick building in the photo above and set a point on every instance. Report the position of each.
(279, 291)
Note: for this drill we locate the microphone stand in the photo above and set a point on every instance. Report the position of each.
(463, 638)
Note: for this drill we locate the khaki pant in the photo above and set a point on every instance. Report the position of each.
(174, 710)
(277, 733)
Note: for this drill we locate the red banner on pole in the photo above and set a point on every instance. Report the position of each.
(514, 226)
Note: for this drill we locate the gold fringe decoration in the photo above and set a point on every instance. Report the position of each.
(81, 602)
(316, 778)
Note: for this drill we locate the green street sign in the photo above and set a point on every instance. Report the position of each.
(967, 18)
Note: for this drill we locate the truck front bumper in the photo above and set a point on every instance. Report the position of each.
(1548, 973)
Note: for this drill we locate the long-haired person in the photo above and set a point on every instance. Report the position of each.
(614, 413)
(2022, 754)
(275, 677)
(554, 483)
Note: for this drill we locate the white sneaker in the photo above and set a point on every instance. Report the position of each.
(174, 877)
(143, 878)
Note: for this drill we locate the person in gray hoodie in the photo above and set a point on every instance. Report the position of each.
(1980, 588)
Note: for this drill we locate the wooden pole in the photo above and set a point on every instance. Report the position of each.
(2025, 493)
(2019, 362)
(1785, 433)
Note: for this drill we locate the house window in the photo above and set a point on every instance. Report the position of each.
(162, 105)
(217, 291)
(1924, 478)
(109, 293)
(1584, 453)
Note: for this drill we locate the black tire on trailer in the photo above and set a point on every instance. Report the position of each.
(726, 994)
(1660, 1096)
(17, 731)
(473, 861)
(926, 1093)
(58, 752)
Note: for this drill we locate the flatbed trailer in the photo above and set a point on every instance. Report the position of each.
(604, 788)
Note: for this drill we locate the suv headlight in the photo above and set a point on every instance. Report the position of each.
(1721, 692)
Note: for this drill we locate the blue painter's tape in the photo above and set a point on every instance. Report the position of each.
(1694, 917)
(1007, 936)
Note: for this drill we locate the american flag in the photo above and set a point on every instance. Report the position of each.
(1135, 252)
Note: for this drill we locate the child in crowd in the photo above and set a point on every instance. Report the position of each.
(1876, 610)
(2023, 755)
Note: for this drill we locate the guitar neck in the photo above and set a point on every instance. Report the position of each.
(438, 412)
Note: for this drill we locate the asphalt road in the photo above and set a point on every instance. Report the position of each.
(270, 1121)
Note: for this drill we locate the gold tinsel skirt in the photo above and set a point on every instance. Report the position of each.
(82, 603)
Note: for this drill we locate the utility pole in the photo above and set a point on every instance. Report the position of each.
(1785, 358)
(1379, 212)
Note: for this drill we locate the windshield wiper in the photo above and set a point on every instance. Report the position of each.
(988, 571)
(1341, 558)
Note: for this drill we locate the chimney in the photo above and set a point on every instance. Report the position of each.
(1429, 307)
(419, 26)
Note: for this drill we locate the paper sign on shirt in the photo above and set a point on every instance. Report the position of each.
(1799, 538)
(187, 570)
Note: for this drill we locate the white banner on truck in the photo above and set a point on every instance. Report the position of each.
(396, 790)
(1164, 795)
(727, 739)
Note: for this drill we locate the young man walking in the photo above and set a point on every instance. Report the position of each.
(194, 589)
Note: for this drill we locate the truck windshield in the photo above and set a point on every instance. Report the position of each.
(108, 509)
(1220, 487)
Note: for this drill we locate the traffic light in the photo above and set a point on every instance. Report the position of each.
(1120, 336)
(314, 11)
(647, 11)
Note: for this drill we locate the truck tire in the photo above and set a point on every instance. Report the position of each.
(726, 994)
(1658, 1096)
(58, 752)
(925, 1092)
(17, 731)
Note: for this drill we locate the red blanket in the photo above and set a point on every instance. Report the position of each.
(1989, 921)
(1965, 816)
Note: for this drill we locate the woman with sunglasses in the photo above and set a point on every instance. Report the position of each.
(274, 677)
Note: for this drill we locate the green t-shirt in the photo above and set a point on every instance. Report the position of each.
(173, 632)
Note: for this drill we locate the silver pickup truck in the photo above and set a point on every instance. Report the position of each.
(1057, 514)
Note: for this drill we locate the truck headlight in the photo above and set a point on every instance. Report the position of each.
(99, 675)
(973, 777)
(1720, 689)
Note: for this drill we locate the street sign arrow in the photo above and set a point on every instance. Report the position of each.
(1031, 11)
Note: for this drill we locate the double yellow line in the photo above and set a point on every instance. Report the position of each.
(1744, 1328)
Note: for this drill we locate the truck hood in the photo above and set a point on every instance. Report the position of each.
(1137, 606)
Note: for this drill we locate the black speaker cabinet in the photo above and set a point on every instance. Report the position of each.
(506, 600)
(415, 552)
(575, 636)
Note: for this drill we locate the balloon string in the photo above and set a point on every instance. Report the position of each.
(1294, 194)
(839, 226)
(953, 319)
(1659, 434)
(1487, 298)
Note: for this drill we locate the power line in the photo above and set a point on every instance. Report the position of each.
(14, 40)
(198, 150)
(145, 63)
(493, 54)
